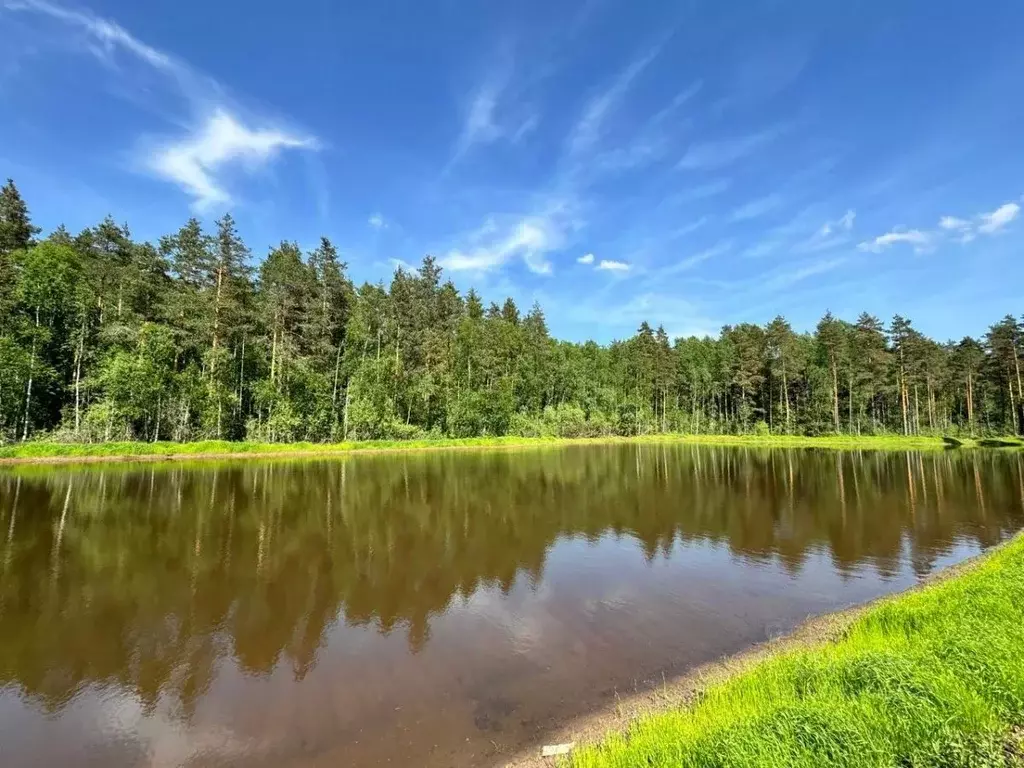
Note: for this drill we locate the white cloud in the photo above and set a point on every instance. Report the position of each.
(216, 136)
(763, 248)
(716, 154)
(999, 218)
(915, 237)
(586, 258)
(682, 317)
(377, 221)
(613, 266)
(530, 238)
(831, 234)
(756, 208)
(680, 99)
(528, 126)
(952, 223)
(108, 34)
(967, 230)
(700, 192)
(689, 228)
(788, 277)
(587, 130)
(491, 112)
(480, 126)
(195, 161)
(632, 155)
(689, 263)
(402, 265)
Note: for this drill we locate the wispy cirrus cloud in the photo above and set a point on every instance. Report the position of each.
(790, 276)
(762, 248)
(719, 249)
(195, 161)
(961, 229)
(107, 36)
(991, 223)
(494, 111)
(213, 137)
(915, 237)
(758, 207)
(998, 219)
(377, 221)
(830, 235)
(953, 224)
(699, 192)
(678, 101)
(689, 228)
(842, 224)
(479, 126)
(719, 153)
(587, 130)
(531, 238)
(679, 316)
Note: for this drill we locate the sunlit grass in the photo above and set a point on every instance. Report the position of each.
(45, 450)
(931, 678)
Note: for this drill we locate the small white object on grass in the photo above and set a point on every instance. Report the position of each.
(553, 750)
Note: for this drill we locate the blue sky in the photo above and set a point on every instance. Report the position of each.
(690, 163)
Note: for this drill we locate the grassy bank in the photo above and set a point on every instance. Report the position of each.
(934, 677)
(44, 451)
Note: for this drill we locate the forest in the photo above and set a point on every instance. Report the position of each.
(195, 337)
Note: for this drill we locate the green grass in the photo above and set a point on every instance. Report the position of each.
(46, 450)
(931, 678)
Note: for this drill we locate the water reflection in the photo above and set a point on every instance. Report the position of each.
(146, 579)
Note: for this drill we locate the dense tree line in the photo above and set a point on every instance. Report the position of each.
(103, 338)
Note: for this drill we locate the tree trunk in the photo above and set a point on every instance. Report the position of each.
(1013, 406)
(273, 356)
(241, 379)
(903, 392)
(344, 417)
(835, 394)
(931, 405)
(917, 413)
(216, 316)
(970, 403)
(31, 371)
(785, 392)
(850, 395)
(903, 404)
(78, 379)
(1016, 366)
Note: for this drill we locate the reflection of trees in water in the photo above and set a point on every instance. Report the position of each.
(145, 577)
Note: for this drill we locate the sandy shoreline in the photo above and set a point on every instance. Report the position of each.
(677, 693)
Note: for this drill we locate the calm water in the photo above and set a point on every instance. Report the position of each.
(436, 609)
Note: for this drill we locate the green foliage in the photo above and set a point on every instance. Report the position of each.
(103, 337)
(934, 678)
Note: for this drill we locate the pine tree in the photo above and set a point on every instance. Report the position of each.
(16, 229)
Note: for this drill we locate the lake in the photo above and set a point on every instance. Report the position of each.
(440, 608)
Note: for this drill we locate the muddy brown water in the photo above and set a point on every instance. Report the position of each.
(436, 609)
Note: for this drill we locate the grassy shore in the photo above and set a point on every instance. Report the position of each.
(934, 677)
(33, 451)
